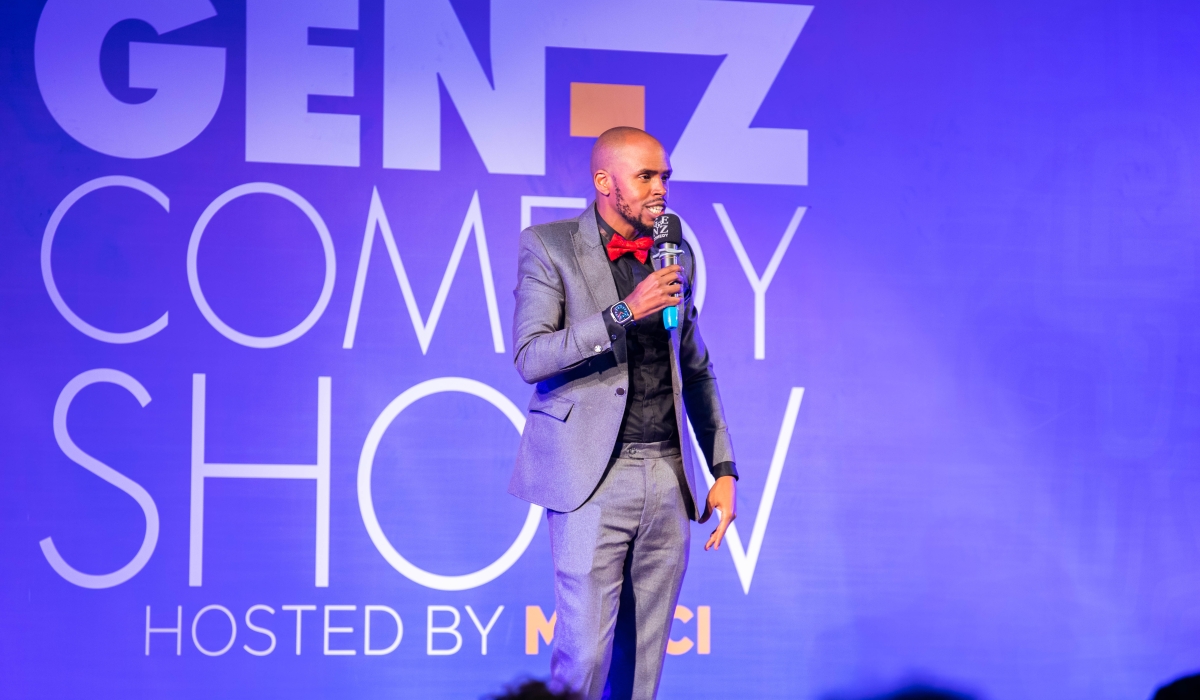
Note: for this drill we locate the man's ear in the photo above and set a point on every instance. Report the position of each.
(602, 182)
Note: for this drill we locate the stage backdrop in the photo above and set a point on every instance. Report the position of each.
(258, 405)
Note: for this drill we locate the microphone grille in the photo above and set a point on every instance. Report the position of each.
(668, 229)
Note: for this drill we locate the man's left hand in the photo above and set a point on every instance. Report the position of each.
(721, 497)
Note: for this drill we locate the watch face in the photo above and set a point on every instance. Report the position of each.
(621, 313)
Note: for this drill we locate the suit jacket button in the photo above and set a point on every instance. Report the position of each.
(597, 348)
(620, 391)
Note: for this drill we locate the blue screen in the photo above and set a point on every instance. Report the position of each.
(259, 408)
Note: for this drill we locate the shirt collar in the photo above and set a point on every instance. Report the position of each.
(606, 231)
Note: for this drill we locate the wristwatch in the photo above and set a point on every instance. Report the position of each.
(621, 314)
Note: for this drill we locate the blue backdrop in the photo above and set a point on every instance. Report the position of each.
(256, 274)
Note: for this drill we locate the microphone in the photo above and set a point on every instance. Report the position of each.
(668, 235)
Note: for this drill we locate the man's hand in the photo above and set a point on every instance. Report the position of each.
(655, 293)
(723, 497)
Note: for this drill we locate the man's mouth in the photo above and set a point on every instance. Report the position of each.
(655, 209)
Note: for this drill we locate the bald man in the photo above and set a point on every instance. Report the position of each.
(607, 448)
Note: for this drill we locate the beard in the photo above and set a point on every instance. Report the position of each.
(627, 213)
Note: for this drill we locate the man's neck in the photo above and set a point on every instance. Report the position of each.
(615, 221)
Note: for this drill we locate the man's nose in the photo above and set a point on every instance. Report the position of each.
(658, 187)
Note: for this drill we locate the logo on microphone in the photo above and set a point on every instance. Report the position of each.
(661, 226)
(668, 230)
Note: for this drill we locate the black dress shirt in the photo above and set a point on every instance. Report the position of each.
(650, 406)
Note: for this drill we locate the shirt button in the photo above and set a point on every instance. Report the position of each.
(597, 348)
(614, 336)
(620, 391)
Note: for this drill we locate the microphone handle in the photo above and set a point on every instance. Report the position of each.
(671, 317)
(666, 257)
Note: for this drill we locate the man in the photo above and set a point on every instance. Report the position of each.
(606, 449)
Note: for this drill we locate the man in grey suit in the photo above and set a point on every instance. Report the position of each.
(606, 449)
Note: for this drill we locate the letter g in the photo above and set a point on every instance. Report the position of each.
(189, 80)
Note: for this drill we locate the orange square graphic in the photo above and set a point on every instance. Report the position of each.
(598, 107)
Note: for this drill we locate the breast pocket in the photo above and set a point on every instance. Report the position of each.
(554, 406)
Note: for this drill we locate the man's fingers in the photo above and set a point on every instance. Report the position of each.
(708, 511)
(714, 540)
(660, 289)
(673, 271)
(718, 535)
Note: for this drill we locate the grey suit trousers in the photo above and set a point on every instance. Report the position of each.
(619, 562)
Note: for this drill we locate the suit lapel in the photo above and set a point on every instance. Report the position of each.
(592, 261)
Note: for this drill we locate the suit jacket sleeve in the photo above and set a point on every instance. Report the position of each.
(544, 345)
(700, 395)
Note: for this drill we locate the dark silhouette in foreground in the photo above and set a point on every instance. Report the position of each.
(1186, 688)
(911, 692)
(533, 690)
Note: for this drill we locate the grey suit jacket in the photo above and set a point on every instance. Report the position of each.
(561, 344)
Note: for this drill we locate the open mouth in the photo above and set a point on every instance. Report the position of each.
(655, 209)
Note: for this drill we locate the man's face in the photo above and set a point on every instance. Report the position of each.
(640, 182)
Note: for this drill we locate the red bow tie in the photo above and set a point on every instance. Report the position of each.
(618, 245)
